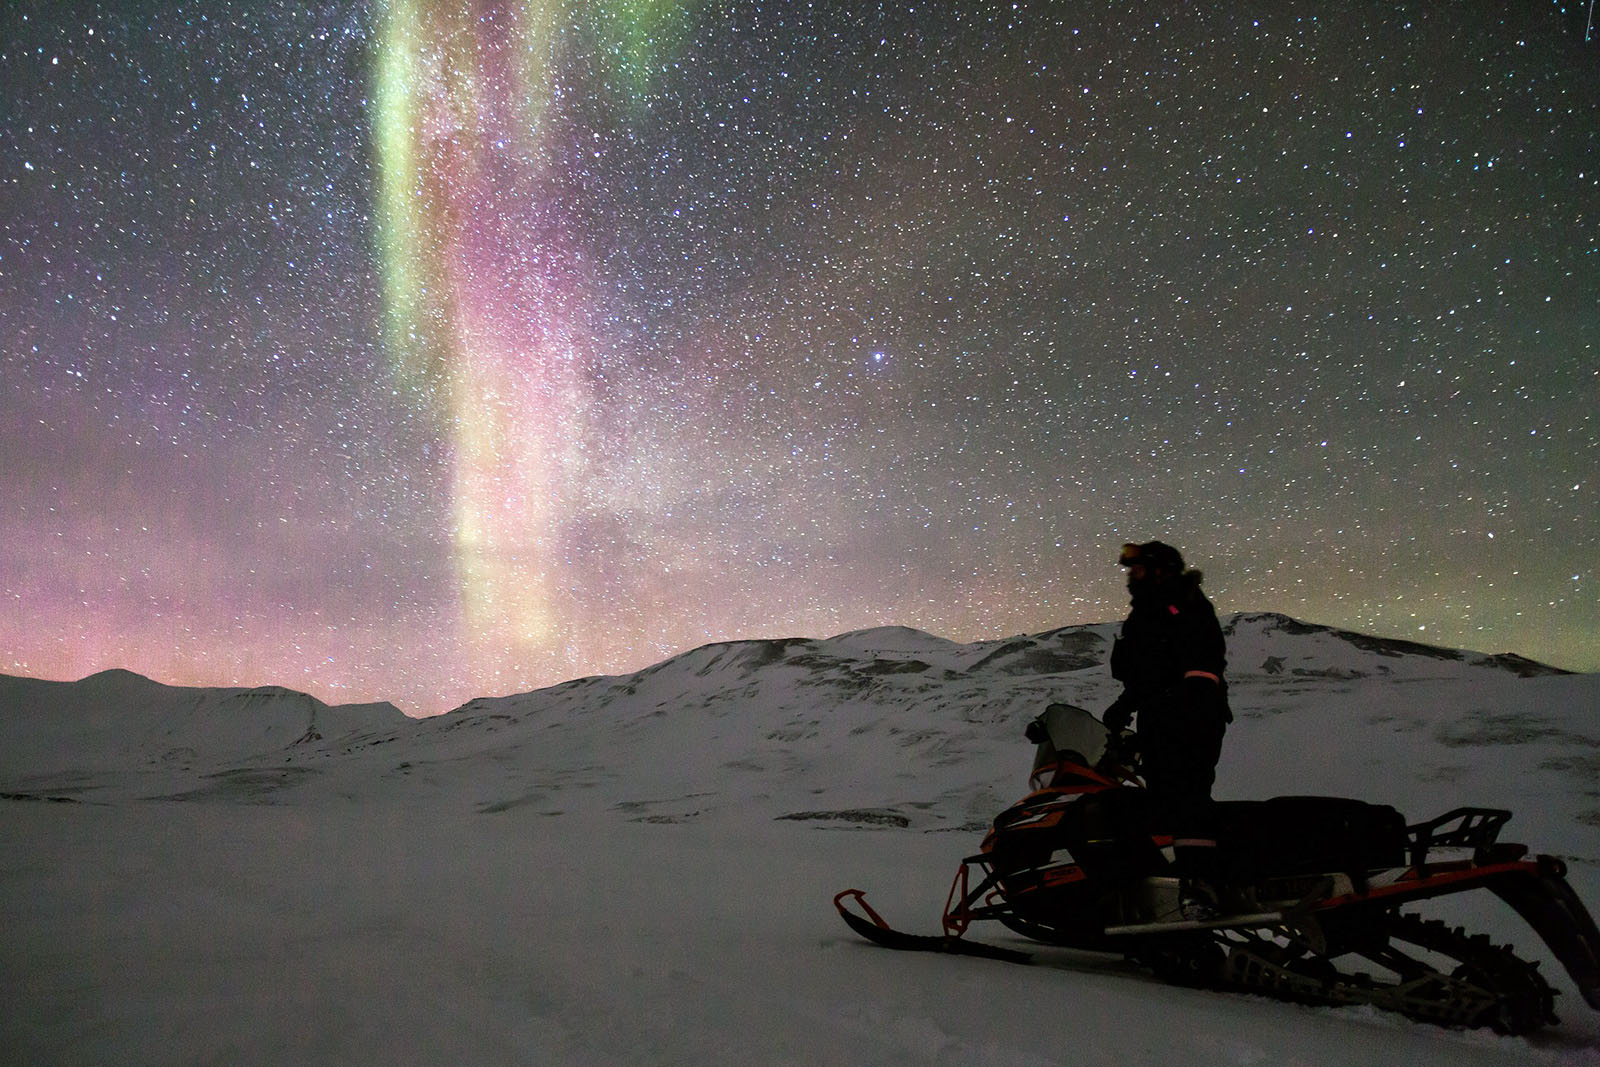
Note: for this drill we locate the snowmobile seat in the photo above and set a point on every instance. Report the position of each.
(1299, 835)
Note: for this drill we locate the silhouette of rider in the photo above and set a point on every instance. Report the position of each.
(1170, 659)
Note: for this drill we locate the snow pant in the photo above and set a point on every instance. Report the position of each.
(1180, 738)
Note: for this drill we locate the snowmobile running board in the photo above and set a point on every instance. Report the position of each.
(1221, 922)
(878, 931)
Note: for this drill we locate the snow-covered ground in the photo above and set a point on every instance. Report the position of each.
(639, 869)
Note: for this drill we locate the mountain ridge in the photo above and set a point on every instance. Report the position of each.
(892, 724)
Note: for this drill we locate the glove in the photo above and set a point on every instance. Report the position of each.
(1118, 716)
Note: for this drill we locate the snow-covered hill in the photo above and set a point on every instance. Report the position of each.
(116, 722)
(638, 868)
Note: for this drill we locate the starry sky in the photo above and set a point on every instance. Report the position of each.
(430, 349)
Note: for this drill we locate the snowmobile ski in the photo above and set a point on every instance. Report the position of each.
(876, 930)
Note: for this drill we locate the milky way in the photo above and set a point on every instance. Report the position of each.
(425, 350)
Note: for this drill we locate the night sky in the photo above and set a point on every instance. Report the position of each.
(428, 350)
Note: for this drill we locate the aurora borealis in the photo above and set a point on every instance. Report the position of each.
(422, 351)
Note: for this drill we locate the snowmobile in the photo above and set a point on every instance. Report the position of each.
(1315, 887)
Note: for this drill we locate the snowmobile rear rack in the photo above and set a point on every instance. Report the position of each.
(1474, 828)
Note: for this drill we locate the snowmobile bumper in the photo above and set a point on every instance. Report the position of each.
(1537, 889)
(1548, 904)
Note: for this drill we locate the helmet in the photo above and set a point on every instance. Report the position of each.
(1153, 554)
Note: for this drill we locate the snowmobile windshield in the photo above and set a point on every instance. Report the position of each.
(1071, 733)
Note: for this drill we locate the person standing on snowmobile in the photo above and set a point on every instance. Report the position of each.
(1170, 659)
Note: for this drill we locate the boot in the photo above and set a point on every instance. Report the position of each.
(1198, 896)
(1198, 901)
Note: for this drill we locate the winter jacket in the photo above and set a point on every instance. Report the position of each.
(1170, 634)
